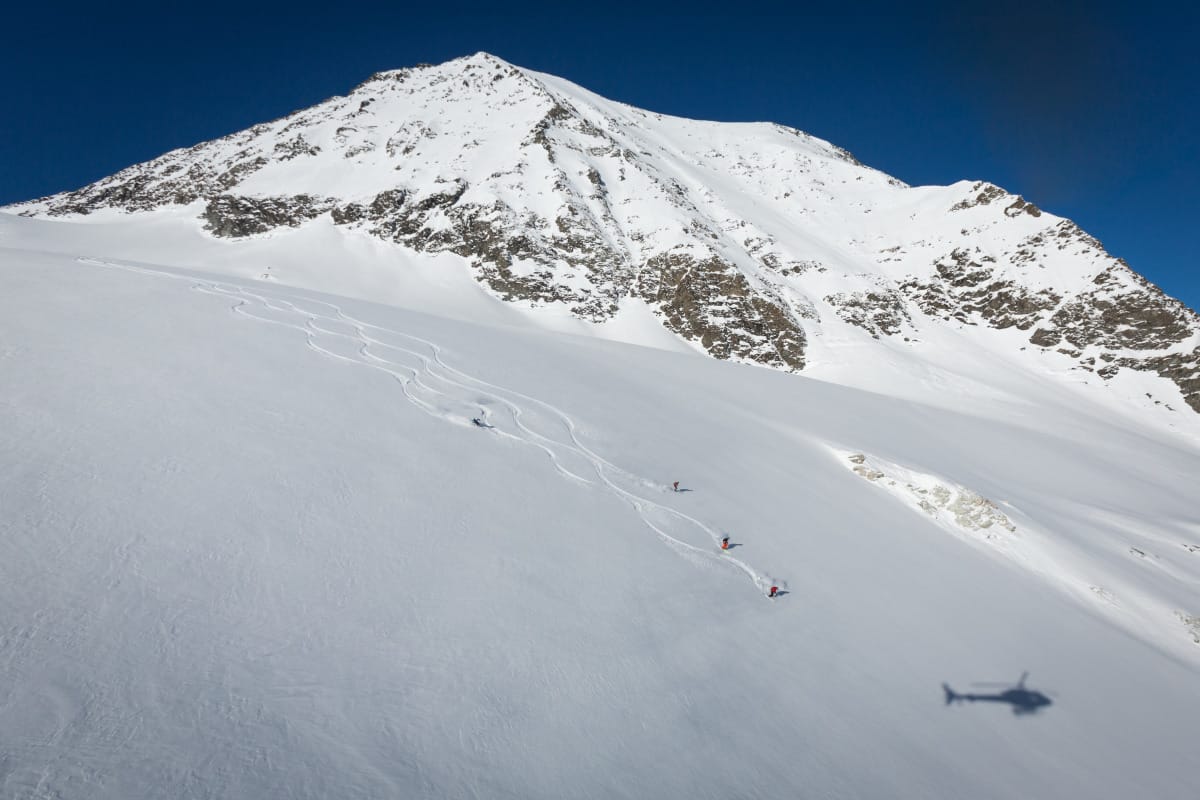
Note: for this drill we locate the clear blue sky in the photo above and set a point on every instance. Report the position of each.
(1090, 110)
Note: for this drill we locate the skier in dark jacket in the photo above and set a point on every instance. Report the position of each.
(725, 543)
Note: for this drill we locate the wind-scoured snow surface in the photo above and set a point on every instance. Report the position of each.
(251, 545)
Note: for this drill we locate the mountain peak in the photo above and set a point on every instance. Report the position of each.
(752, 241)
(446, 69)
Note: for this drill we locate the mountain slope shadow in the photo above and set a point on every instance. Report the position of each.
(1022, 700)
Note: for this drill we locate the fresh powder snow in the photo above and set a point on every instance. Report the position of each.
(252, 546)
(252, 543)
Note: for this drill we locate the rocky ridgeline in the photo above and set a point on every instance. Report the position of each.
(1120, 320)
(550, 221)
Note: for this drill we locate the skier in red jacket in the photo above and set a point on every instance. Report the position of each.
(774, 592)
(725, 543)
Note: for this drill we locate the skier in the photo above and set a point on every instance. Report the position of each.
(479, 423)
(725, 543)
(774, 592)
(675, 486)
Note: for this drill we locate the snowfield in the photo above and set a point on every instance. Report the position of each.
(252, 546)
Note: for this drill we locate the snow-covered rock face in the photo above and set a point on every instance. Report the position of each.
(747, 239)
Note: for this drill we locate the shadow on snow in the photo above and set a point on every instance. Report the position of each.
(1023, 700)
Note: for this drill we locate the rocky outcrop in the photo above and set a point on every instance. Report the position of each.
(879, 313)
(233, 216)
(294, 148)
(520, 258)
(1182, 369)
(698, 298)
(967, 288)
(173, 179)
(524, 259)
(1120, 312)
(984, 194)
(1123, 312)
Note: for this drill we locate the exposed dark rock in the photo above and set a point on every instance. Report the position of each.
(1124, 312)
(406, 138)
(879, 313)
(557, 113)
(294, 147)
(234, 175)
(1045, 338)
(171, 179)
(985, 194)
(698, 298)
(968, 290)
(515, 257)
(847, 156)
(1183, 369)
(233, 217)
(1022, 206)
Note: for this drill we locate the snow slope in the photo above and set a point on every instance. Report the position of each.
(251, 546)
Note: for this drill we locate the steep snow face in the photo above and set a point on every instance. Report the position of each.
(252, 546)
(753, 242)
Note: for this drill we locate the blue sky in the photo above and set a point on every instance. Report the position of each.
(1090, 110)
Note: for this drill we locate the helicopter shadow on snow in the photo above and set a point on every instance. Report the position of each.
(1023, 700)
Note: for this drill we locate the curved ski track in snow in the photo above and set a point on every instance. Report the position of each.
(447, 393)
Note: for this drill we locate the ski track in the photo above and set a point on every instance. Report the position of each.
(460, 391)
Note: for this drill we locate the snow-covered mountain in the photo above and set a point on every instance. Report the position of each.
(252, 544)
(753, 242)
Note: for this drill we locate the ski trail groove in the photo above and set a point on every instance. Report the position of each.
(444, 383)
